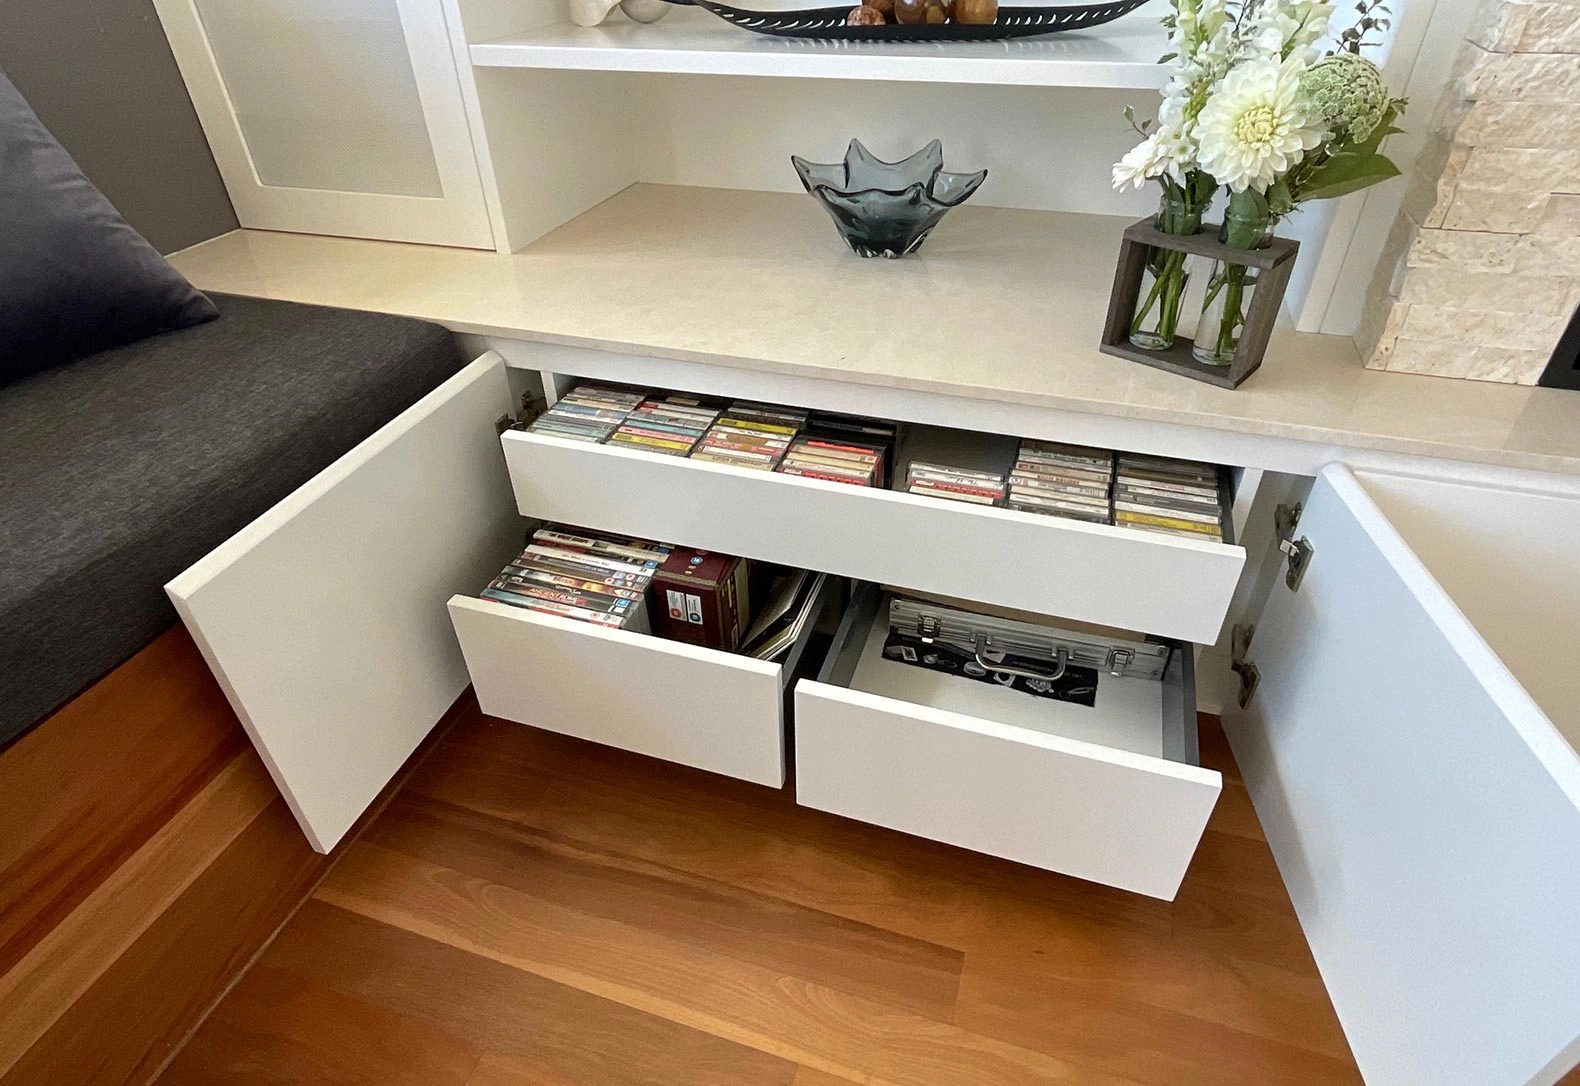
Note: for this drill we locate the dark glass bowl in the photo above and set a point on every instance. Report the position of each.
(886, 208)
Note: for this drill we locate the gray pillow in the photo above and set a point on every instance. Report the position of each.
(74, 277)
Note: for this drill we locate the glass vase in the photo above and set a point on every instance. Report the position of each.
(1164, 278)
(1229, 288)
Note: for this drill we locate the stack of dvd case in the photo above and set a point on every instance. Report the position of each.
(585, 575)
(587, 413)
(955, 484)
(751, 435)
(668, 424)
(835, 460)
(1062, 480)
(1179, 497)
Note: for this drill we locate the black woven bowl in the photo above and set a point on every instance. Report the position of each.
(829, 23)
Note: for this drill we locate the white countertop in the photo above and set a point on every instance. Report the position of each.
(998, 305)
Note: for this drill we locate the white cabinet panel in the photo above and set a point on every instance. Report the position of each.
(1423, 807)
(324, 620)
(334, 117)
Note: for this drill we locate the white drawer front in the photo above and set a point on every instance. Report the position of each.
(695, 706)
(1081, 808)
(1118, 576)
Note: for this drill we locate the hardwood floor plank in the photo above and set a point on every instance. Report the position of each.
(1093, 1020)
(40, 989)
(807, 1076)
(801, 1021)
(130, 1019)
(710, 915)
(496, 1070)
(90, 785)
(279, 1028)
(533, 1030)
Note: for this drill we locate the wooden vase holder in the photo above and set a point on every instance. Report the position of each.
(1272, 262)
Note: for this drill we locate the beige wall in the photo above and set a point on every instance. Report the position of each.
(1481, 272)
(99, 74)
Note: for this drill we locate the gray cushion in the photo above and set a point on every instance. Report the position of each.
(120, 470)
(74, 277)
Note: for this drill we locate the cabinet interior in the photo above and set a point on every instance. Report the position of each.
(1507, 558)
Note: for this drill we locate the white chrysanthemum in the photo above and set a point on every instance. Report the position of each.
(1139, 165)
(1167, 152)
(1256, 125)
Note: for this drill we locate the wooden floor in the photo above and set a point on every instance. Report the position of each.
(145, 856)
(536, 910)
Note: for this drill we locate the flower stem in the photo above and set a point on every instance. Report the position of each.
(1234, 276)
(1168, 288)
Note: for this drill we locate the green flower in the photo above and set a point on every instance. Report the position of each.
(1349, 92)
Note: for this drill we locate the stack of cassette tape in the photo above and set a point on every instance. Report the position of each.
(585, 575)
(587, 413)
(954, 483)
(751, 435)
(670, 424)
(1062, 480)
(1158, 494)
(835, 460)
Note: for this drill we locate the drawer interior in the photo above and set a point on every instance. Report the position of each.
(1150, 717)
(971, 450)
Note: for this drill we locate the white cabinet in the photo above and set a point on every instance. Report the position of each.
(334, 116)
(1411, 748)
(324, 619)
(1411, 753)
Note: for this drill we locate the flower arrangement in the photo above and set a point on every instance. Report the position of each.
(1254, 107)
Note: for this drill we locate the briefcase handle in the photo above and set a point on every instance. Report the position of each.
(982, 643)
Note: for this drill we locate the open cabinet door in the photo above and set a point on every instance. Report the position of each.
(1423, 809)
(324, 619)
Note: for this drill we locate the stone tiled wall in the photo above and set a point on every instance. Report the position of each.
(1481, 271)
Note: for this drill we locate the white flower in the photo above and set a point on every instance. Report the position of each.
(1139, 164)
(1167, 152)
(1256, 125)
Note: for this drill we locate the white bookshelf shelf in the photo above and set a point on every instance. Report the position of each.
(1121, 54)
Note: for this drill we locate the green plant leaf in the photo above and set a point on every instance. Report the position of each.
(1249, 204)
(1340, 177)
(1279, 200)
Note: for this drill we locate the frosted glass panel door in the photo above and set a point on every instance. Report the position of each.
(334, 116)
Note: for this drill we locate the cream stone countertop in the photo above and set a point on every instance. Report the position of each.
(999, 305)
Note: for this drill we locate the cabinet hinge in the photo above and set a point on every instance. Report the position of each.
(503, 423)
(1250, 677)
(1297, 552)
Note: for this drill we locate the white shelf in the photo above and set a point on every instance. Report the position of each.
(1122, 54)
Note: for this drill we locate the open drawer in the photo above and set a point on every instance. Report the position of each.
(1109, 792)
(1411, 748)
(697, 706)
(1116, 576)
